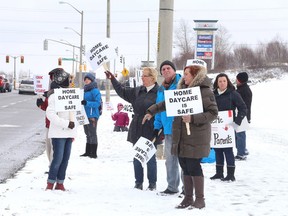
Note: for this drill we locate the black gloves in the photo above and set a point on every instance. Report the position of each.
(84, 102)
(39, 102)
(71, 125)
(109, 75)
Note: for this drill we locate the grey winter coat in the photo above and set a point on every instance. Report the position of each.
(196, 145)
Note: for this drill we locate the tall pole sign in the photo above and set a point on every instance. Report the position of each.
(205, 43)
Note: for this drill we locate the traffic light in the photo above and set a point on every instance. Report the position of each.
(59, 61)
(45, 44)
(85, 67)
(22, 59)
(7, 59)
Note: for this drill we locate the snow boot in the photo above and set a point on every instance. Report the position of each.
(93, 151)
(188, 198)
(87, 151)
(198, 182)
(60, 187)
(219, 173)
(49, 186)
(230, 174)
(139, 186)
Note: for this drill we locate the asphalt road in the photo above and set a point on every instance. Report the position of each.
(22, 132)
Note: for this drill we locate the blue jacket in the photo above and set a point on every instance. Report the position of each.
(93, 98)
(161, 119)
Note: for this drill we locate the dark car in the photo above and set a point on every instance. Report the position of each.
(7, 85)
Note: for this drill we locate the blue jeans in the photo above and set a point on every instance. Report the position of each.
(241, 143)
(61, 155)
(229, 155)
(172, 166)
(151, 170)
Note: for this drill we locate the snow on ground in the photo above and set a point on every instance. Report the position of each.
(104, 186)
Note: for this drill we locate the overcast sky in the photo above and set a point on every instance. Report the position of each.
(26, 24)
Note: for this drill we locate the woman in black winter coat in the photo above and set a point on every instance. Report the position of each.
(140, 98)
(227, 98)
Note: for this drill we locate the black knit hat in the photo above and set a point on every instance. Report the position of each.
(167, 62)
(90, 76)
(61, 77)
(242, 77)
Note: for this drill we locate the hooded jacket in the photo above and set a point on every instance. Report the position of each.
(196, 145)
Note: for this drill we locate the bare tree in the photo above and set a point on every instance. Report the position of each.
(184, 42)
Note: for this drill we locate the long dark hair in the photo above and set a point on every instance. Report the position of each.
(229, 83)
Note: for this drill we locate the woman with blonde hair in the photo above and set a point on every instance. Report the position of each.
(141, 98)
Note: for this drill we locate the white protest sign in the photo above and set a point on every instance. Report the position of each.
(109, 106)
(183, 101)
(81, 117)
(128, 108)
(223, 134)
(243, 127)
(144, 150)
(138, 80)
(41, 83)
(101, 52)
(67, 99)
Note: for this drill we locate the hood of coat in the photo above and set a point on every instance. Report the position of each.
(200, 79)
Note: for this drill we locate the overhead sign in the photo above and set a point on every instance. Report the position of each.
(67, 99)
(183, 101)
(41, 83)
(101, 52)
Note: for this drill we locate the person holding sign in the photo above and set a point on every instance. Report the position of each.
(192, 147)
(121, 119)
(227, 98)
(171, 79)
(62, 131)
(244, 90)
(141, 98)
(91, 102)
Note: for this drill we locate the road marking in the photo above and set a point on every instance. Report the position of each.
(5, 125)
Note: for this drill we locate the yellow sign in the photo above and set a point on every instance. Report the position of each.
(125, 72)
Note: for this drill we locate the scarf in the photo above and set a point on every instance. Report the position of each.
(90, 86)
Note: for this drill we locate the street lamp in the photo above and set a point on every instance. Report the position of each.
(81, 40)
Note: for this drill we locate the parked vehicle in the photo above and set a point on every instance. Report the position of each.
(26, 86)
(2, 84)
(7, 85)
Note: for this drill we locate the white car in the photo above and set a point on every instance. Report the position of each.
(26, 86)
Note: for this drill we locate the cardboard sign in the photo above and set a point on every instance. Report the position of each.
(144, 150)
(223, 134)
(101, 52)
(68, 99)
(41, 83)
(183, 101)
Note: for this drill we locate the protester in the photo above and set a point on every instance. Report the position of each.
(171, 79)
(91, 102)
(244, 90)
(227, 98)
(190, 149)
(43, 105)
(62, 131)
(141, 98)
(121, 119)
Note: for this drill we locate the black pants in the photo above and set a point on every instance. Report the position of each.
(91, 131)
(191, 166)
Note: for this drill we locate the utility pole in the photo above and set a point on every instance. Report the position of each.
(107, 86)
(165, 33)
(148, 52)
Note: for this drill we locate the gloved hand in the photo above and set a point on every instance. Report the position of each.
(39, 102)
(109, 75)
(84, 102)
(71, 125)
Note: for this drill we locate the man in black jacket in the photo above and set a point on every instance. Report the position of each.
(244, 90)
